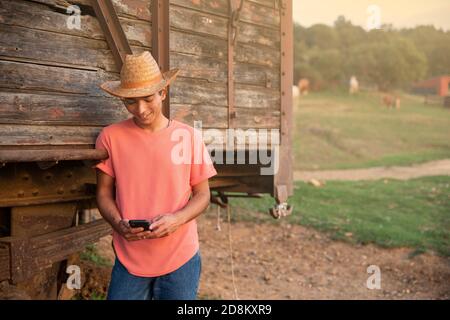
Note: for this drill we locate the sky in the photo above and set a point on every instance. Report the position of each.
(399, 13)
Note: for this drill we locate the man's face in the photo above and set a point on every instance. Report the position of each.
(146, 109)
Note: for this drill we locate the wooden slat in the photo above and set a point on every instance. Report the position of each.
(46, 46)
(193, 44)
(51, 155)
(283, 180)
(199, 92)
(51, 109)
(252, 12)
(268, 3)
(216, 138)
(47, 135)
(32, 255)
(219, 7)
(216, 117)
(4, 263)
(261, 15)
(215, 70)
(28, 76)
(210, 25)
(138, 9)
(39, 16)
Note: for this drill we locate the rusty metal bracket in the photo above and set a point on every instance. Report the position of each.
(117, 41)
(281, 208)
(234, 9)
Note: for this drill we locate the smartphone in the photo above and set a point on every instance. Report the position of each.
(140, 224)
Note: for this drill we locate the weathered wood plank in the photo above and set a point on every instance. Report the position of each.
(217, 117)
(51, 155)
(257, 75)
(252, 12)
(262, 15)
(44, 46)
(35, 254)
(216, 138)
(218, 7)
(211, 116)
(207, 24)
(11, 135)
(39, 16)
(51, 109)
(138, 9)
(4, 262)
(217, 48)
(215, 70)
(33, 136)
(27, 76)
(256, 97)
(267, 3)
(200, 92)
(37, 220)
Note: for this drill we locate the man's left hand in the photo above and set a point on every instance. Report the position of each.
(163, 225)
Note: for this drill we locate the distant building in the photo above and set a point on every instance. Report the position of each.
(439, 86)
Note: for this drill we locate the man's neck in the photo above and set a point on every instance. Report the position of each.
(159, 124)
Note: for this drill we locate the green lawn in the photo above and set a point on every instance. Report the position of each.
(414, 213)
(333, 130)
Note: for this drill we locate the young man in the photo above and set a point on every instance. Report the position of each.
(152, 184)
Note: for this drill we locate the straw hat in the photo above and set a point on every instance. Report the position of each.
(140, 76)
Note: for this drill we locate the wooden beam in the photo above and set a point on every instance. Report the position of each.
(283, 181)
(117, 41)
(51, 155)
(31, 255)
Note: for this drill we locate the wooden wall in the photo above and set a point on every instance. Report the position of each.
(49, 74)
(198, 46)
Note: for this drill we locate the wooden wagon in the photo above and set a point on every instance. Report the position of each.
(236, 73)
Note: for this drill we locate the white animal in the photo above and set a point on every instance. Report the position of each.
(354, 85)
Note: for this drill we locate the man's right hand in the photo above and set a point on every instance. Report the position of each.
(131, 234)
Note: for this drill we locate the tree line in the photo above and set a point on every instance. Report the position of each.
(384, 58)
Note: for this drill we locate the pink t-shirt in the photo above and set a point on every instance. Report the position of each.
(154, 174)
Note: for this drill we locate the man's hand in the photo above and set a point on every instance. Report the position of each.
(132, 234)
(163, 225)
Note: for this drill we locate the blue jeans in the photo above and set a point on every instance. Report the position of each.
(181, 284)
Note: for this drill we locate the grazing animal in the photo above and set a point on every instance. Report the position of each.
(354, 85)
(303, 86)
(391, 101)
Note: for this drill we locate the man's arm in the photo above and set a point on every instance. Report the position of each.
(197, 204)
(166, 224)
(105, 199)
(109, 211)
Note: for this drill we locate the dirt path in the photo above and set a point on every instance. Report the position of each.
(293, 262)
(433, 168)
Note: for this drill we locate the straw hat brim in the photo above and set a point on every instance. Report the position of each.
(114, 88)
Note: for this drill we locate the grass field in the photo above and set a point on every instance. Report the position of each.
(333, 130)
(413, 213)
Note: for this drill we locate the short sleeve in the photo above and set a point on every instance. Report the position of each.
(202, 167)
(103, 143)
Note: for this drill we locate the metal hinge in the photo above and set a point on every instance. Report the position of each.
(281, 210)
